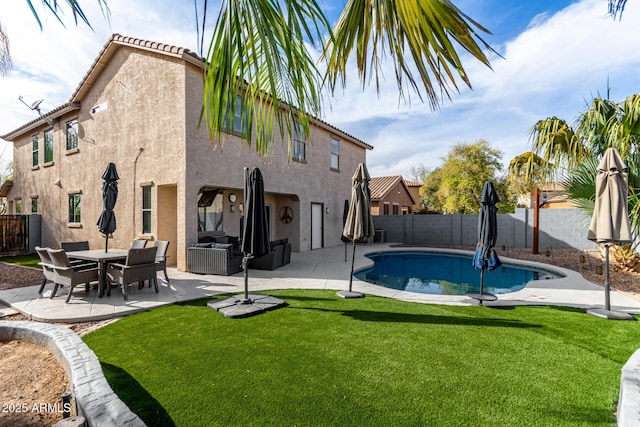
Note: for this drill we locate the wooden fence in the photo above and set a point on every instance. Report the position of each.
(14, 232)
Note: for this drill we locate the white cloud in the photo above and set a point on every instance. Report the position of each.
(557, 64)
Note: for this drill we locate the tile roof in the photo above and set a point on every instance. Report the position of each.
(381, 185)
(179, 52)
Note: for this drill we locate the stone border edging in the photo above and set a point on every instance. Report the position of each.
(629, 401)
(95, 400)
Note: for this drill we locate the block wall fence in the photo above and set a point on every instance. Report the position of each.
(558, 228)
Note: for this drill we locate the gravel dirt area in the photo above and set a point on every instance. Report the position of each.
(42, 380)
(32, 379)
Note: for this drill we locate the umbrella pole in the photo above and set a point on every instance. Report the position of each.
(481, 280)
(245, 267)
(353, 259)
(106, 243)
(345, 251)
(607, 282)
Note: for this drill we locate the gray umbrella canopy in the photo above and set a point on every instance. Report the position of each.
(485, 257)
(358, 225)
(107, 220)
(610, 220)
(255, 238)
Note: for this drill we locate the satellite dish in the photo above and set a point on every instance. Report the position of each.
(36, 104)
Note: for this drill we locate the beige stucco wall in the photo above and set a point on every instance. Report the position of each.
(139, 110)
(147, 125)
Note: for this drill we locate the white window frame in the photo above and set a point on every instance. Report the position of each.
(335, 153)
(299, 142)
(72, 134)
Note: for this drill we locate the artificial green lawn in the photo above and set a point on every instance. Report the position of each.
(323, 360)
(24, 260)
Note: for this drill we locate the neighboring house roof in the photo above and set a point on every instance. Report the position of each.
(382, 185)
(412, 183)
(108, 50)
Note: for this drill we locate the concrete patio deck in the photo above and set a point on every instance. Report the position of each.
(317, 269)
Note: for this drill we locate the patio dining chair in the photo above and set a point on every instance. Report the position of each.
(71, 274)
(138, 244)
(161, 257)
(48, 274)
(82, 245)
(139, 266)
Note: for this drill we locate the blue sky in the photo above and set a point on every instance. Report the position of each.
(557, 55)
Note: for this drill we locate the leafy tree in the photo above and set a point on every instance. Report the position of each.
(429, 191)
(457, 183)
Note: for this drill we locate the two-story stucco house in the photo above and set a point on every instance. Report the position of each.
(138, 106)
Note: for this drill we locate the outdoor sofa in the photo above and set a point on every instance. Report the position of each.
(279, 255)
(213, 258)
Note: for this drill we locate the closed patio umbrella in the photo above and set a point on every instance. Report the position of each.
(255, 241)
(610, 220)
(359, 223)
(485, 257)
(107, 220)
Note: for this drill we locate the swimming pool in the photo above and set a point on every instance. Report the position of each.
(445, 274)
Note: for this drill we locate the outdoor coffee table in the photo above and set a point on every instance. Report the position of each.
(101, 257)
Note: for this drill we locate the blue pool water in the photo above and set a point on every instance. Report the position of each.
(446, 274)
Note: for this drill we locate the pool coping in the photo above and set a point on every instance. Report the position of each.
(535, 292)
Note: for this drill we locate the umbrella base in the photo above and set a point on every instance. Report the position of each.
(350, 294)
(237, 307)
(609, 314)
(482, 296)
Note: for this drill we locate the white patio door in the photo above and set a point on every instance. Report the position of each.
(317, 225)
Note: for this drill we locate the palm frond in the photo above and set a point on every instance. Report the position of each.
(427, 28)
(76, 10)
(556, 142)
(580, 184)
(5, 53)
(257, 57)
(616, 7)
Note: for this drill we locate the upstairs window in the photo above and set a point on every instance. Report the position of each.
(236, 125)
(335, 154)
(72, 135)
(146, 210)
(34, 150)
(75, 202)
(48, 146)
(34, 205)
(299, 142)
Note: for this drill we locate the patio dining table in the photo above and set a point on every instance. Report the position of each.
(102, 258)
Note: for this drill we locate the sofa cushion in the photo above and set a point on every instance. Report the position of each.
(227, 246)
(285, 240)
(200, 245)
(223, 239)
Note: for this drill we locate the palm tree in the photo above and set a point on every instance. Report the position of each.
(527, 171)
(259, 63)
(576, 151)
